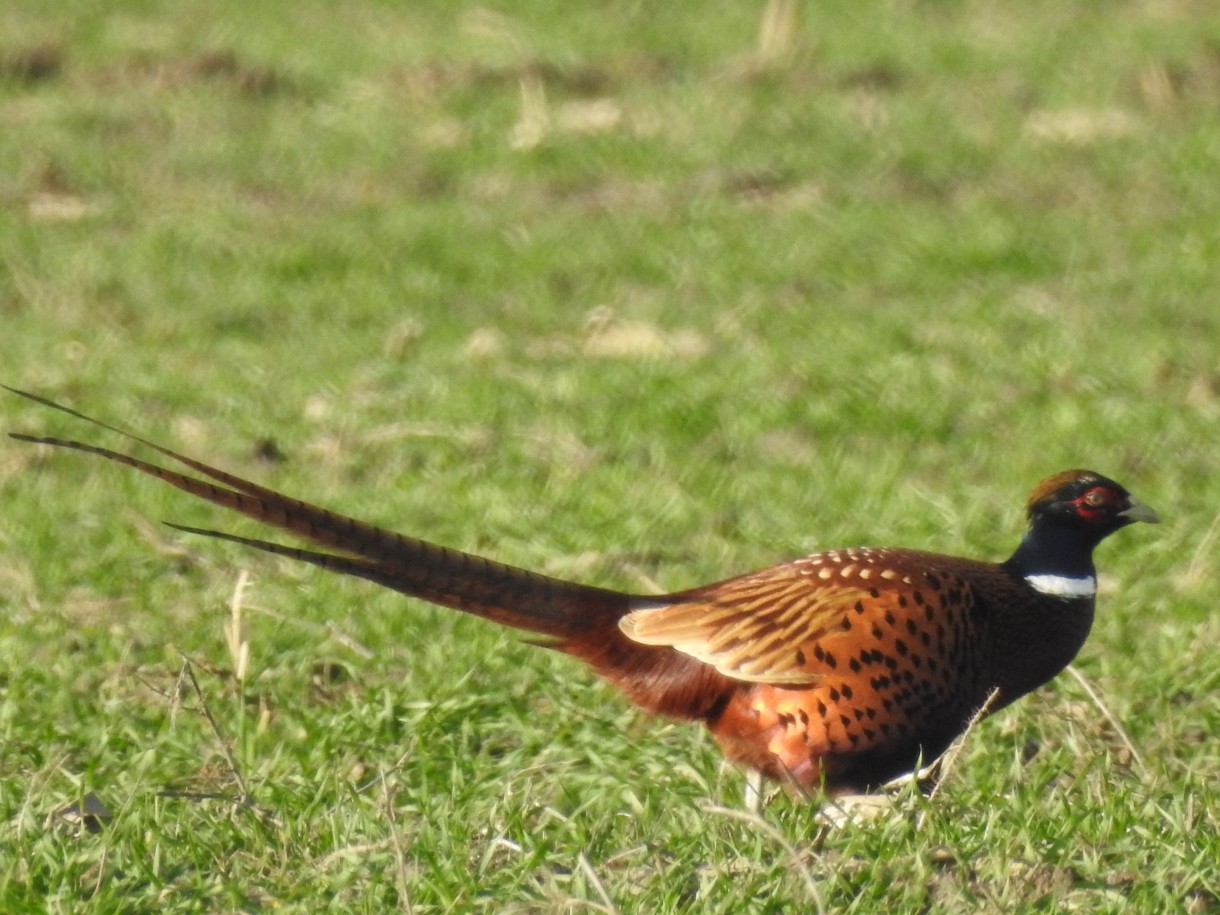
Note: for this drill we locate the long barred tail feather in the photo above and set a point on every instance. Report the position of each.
(580, 620)
(503, 593)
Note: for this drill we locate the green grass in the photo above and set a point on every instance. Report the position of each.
(606, 292)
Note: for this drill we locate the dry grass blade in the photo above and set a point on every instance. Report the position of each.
(400, 858)
(1197, 568)
(778, 837)
(239, 648)
(245, 800)
(607, 904)
(777, 30)
(945, 763)
(352, 851)
(1110, 717)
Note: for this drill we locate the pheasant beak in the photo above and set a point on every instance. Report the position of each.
(1138, 511)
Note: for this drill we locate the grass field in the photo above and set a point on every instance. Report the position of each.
(640, 296)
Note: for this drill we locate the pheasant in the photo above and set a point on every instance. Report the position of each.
(834, 672)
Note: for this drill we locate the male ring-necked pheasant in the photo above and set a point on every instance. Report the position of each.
(839, 670)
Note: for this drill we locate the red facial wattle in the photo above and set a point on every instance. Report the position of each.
(1095, 503)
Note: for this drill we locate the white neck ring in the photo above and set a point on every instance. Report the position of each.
(1063, 585)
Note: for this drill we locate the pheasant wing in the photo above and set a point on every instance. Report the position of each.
(774, 626)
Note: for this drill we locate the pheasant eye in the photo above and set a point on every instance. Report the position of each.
(1096, 496)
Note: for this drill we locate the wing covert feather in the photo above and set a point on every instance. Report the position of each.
(759, 631)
